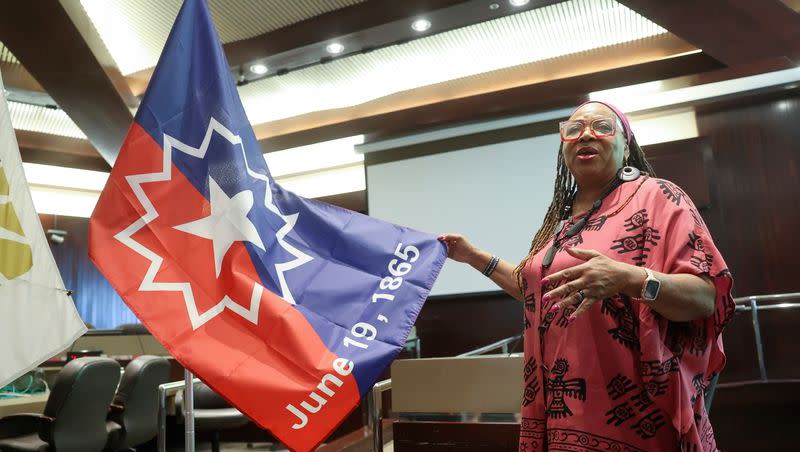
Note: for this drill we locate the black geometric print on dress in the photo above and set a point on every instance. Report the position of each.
(650, 235)
(682, 336)
(532, 427)
(530, 309)
(563, 316)
(723, 316)
(595, 224)
(558, 388)
(698, 220)
(531, 391)
(627, 330)
(688, 445)
(678, 336)
(564, 439)
(649, 425)
(699, 339)
(706, 432)
(699, 383)
(656, 387)
(619, 386)
(530, 367)
(530, 303)
(642, 400)
(660, 368)
(573, 241)
(637, 220)
(548, 319)
(702, 261)
(672, 191)
(619, 414)
(638, 242)
(696, 242)
(530, 298)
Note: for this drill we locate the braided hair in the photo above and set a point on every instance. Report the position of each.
(563, 192)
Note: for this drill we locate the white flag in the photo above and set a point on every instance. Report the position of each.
(37, 317)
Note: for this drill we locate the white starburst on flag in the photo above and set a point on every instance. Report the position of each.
(148, 281)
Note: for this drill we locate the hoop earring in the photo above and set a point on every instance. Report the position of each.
(629, 173)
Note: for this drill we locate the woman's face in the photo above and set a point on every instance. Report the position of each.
(594, 160)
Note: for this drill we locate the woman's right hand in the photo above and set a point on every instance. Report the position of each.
(459, 248)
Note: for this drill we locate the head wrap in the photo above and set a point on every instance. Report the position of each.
(626, 125)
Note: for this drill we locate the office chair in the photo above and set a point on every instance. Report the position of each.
(133, 328)
(211, 412)
(74, 418)
(135, 406)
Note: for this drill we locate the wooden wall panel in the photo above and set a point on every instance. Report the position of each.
(449, 326)
(756, 151)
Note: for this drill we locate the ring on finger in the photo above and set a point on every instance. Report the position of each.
(581, 295)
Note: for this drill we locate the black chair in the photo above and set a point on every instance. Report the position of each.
(74, 418)
(211, 412)
(133, 328)
(135, 407)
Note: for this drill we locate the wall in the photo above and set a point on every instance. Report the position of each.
(756, 149)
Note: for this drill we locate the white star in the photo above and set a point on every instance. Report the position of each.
(228, 222)
(149, 283)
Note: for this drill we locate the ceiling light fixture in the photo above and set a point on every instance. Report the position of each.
(63, 201)
(494, 6)
(334, 48)
(63, 177)
(259, 69)
(315, 157)
(519, 2)
(421, 25)
(446, 56)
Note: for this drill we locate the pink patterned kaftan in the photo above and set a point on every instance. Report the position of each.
(622, 377)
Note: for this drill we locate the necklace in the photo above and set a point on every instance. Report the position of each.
(576, 228)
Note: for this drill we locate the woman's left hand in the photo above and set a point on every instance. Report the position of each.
(598, 278)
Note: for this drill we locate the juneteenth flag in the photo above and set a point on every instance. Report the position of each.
(287, 307)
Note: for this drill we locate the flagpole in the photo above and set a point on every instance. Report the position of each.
(188, 411)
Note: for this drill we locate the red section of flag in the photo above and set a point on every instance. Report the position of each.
(263, 367)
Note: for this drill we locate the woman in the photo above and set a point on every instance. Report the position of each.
(625, 300)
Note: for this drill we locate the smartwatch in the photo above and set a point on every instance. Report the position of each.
(651, 286)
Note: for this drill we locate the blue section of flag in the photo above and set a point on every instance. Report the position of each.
(339, 290)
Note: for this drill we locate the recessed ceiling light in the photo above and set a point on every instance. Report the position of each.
(494, 6)
(334, 48)
(259, 69)
(519, 2)
(421, 25)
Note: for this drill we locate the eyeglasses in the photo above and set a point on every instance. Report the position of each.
(599, 128)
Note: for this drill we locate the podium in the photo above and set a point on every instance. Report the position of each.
(119, 344)
(465, 403)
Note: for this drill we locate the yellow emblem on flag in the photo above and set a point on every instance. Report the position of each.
(16, 257)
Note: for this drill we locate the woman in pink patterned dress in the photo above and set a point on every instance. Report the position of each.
(625, 297)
